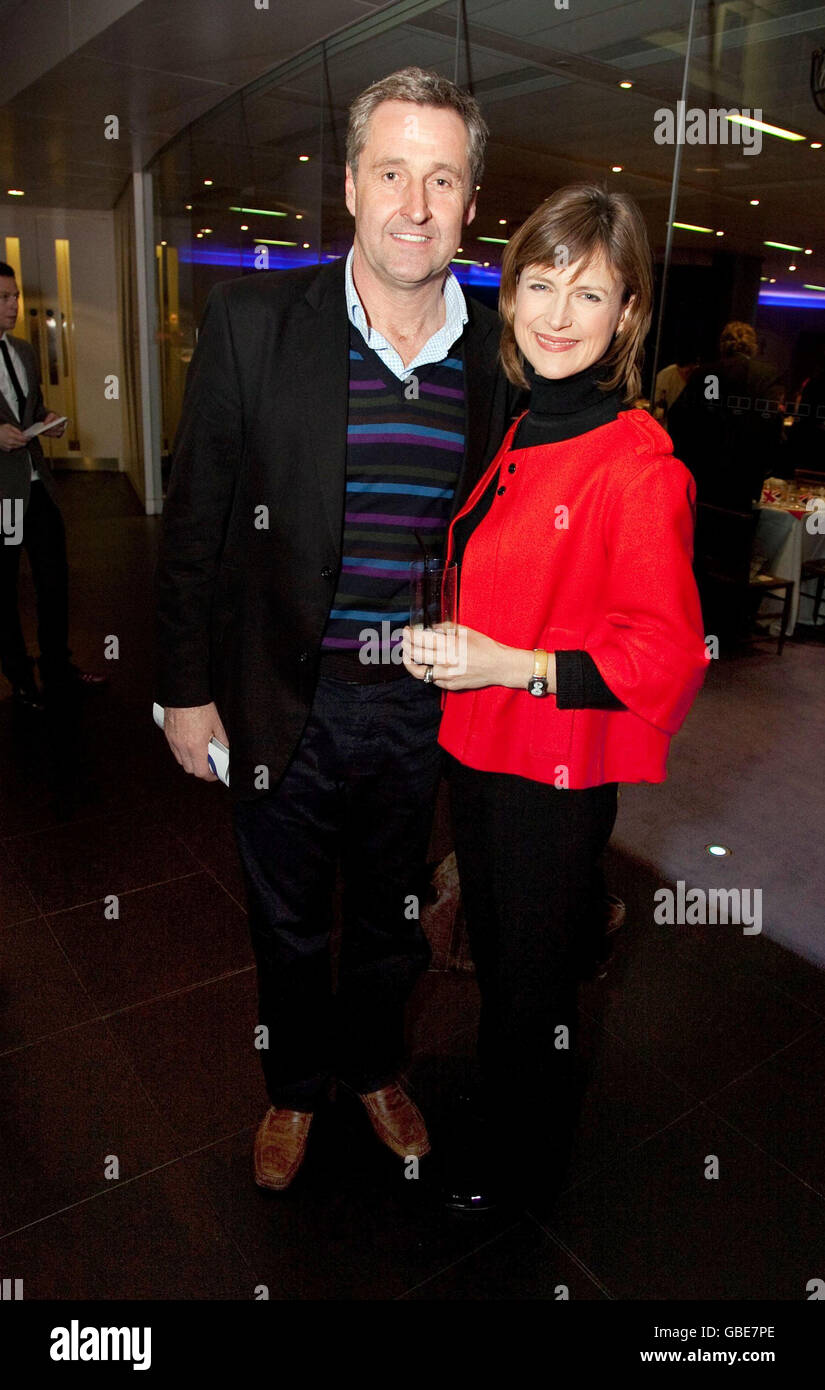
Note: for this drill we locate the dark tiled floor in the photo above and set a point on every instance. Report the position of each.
(130, 1086)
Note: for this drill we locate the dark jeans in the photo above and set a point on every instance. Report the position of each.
(533, 892)
(360, 790)
(45, 541)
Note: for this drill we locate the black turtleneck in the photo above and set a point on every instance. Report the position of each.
(559, 410)
(563, 409)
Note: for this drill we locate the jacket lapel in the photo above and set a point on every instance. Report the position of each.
(324, 390)
(480, 358)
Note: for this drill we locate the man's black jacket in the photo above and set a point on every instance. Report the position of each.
(253, 520)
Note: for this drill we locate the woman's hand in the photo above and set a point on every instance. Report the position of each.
(463, 659)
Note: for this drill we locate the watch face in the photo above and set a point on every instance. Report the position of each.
(537, 685)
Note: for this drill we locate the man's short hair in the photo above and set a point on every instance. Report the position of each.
(737, 338)
(6, 269)
(423, 89)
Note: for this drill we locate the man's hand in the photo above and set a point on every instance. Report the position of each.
(188, 732)
(11, 438)
(55, 433)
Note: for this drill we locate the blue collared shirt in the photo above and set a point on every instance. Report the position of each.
(434, 350)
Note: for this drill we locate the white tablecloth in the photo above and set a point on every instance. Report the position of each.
(786, 541)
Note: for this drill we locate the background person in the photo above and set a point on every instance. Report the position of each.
(584, 649)
(727, 423)
(26, 478)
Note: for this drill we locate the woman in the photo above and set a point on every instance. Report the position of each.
(578, 651)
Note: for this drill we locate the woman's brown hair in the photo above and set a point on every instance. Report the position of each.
(574, 226)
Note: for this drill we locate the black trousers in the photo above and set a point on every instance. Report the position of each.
(533, 891)
(44, 539)
(359, 792)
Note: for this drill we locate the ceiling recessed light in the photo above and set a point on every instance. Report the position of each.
(304, 158)
(791, 267)
(617, 168)
(773, 279)
(306, 245)
(816, 144)
(754, 202)
(718, 851)
(809, 250)
(459, 251)
(188, 207)
(207, 183)
(720, 233)
(199, 236)
(502, 221)
(207, 231)
(486, 264)
(478, 188)
(299, 217)
(15, 192)
(244, 226)
(163, 243)
(626, 85)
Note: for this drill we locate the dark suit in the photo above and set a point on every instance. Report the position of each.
(43, 537)
(732, 441)
(242, 609)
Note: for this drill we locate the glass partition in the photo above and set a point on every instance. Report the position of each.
(571, 91)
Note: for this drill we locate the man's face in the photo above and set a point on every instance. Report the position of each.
(9, 298)
(565, 319)
(412, 195)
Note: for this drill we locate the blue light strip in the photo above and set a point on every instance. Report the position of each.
(792, 299)
(244, 259)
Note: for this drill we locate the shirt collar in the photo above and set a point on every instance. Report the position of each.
(455, 303)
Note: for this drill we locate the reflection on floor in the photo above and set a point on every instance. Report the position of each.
(129, 1091)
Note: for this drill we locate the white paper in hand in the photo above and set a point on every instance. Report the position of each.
(218, 752)
(43, 425)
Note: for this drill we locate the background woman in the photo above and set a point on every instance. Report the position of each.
(579, 650)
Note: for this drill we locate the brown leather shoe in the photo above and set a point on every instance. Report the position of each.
(397, 1121)
(280, 1145)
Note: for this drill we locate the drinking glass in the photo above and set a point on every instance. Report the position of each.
(433, 590)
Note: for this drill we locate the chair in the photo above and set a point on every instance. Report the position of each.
(723, 552)
(815, 569)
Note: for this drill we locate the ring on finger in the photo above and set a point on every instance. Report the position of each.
(428, 676)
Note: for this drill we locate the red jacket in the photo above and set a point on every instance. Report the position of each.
(589, 547)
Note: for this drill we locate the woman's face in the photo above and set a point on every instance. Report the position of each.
(565, 318)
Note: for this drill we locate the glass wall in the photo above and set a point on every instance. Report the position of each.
(572, 90)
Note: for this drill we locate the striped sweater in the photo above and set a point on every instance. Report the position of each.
(405, 447)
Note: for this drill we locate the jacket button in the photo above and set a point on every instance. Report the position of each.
(501, 490)
(303, 656)
(327, 573)
(511, 468)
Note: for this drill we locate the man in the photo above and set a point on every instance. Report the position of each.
(334, 419)
(30, 518)
(727, 423)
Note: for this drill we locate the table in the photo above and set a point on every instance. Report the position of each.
(784, 539)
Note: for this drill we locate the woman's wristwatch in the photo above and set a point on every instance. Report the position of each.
(537, 684)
